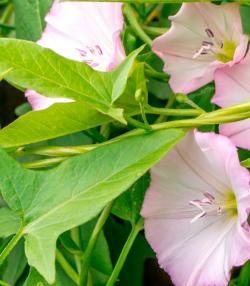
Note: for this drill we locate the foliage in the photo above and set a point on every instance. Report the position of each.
(93, 154)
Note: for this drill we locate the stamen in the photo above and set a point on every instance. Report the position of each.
(200, 204)
(209, 33)
(90, 55)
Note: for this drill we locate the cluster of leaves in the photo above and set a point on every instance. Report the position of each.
(54, 213)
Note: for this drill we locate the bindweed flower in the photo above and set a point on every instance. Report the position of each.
(196, 211)
(86, 32)
(203, 37)
(233, 87)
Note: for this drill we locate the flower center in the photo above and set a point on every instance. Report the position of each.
(208, 205)
(222, 50)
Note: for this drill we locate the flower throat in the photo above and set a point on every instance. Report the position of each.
(222, 50)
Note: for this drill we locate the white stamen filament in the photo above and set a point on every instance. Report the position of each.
(211, 46)
(89, 54)
(209, 205)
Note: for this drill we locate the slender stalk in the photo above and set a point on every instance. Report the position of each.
(54, 150)
(151, 72)
(189, 123)
(2, 283)
(129, 13)
(67, 267)
(138, 124)
(43, 163)
(75, 235)
(174, 112)
(154, 31)
(183, 98)
(7, 14)
(9, 247)
(91, 244)
(125, 251)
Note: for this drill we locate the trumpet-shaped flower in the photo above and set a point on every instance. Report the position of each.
(233, 87)
(196, 211)
(87, 32)
(203, 37)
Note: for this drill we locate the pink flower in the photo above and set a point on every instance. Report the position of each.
(203, 37)
(233, 87)
(86, 32)
(196, 211)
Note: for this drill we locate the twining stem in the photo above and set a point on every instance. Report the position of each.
(151, 72)
(225, 115)
(154, 31)
(43, 163)
(91, 244)
(67, 267)
(173, 112)
(12, 243)
(7, 13)
(75, 235)
(2, 283)
(125, 251)
(129, 13)
(189, 123)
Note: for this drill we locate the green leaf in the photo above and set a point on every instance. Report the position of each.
(30, 66)
(62, 119)
(9, 222)
(29, 18)
(246, 163)
(54, 201)
(58, 120)
(35, 279)
(245, 14)
(128, 205)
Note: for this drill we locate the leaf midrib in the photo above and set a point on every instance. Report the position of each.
(17, 66)
(48, 213)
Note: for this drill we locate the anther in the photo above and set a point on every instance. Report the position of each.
(209, 33)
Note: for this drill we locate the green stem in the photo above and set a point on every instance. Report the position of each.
(125, 251)
(67, 267)
(189, 123)
(138, 124)
(154, 31)
(7, 13)
(2, 283)
(173, 112)
(54, 150)
(9, 247)
(44, 163)
(129, 13)
(183, 98)
(151, 72)
(91, 244)
(75, 235)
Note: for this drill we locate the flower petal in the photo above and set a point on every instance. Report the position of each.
(39, 102)
(238, 132)
(200, 253)
(90, 24)
(178, 46)
(232, 84)
(233, 87)
(86, 32)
